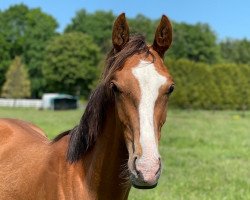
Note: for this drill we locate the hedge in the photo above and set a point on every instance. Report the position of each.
(203, 86)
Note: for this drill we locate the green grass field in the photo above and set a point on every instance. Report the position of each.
(206, 154)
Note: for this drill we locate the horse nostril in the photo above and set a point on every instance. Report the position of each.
(159, 170)
(137, 172)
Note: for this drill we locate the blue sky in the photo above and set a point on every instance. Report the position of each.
(228, 18)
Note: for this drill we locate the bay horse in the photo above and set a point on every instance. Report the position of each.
(115, 145)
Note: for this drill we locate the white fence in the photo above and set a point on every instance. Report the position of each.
(34, 103)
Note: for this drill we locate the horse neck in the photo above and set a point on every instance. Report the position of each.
(103, 164)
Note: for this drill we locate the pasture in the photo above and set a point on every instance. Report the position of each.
(206, 154)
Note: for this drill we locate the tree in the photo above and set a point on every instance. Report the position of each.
(17, 84)
(194, 42)
(13, 25)
(70, 64)
(98, 25)
(11, 36)
(40, 29)
(236, 51)
(26, 32)
(143, 25)
(4, 59)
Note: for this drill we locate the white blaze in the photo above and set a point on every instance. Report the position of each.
(149, 81)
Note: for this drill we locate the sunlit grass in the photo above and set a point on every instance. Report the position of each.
(52, 122)
(206, 154)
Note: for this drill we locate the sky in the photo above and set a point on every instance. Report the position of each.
(227, 18)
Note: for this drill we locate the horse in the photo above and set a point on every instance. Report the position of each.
(115, 145)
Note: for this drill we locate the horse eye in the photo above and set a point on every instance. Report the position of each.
(170, 89)
(114, 88)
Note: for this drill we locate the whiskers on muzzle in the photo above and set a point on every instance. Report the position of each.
(124, 175)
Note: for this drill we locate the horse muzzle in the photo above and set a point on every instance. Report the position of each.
(145, 173)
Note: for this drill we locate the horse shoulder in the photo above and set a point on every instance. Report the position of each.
(15, 127)
(35, 128)
(22, 147)
(6, 132)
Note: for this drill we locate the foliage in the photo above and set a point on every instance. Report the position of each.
(194, 42)
(236, 51)
(143, 25)
(98, 25)
(13, 25)
(17, 84)
(203, 86)
(11, 36)
(70, 64)
(4, 58)
(25, 32)
(205, 154)
(41, 28)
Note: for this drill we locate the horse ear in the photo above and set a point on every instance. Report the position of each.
(120, 35)
(163, 36)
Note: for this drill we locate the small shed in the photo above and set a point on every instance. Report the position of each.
(56, 101)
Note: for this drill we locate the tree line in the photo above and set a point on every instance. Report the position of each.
(71, 62)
